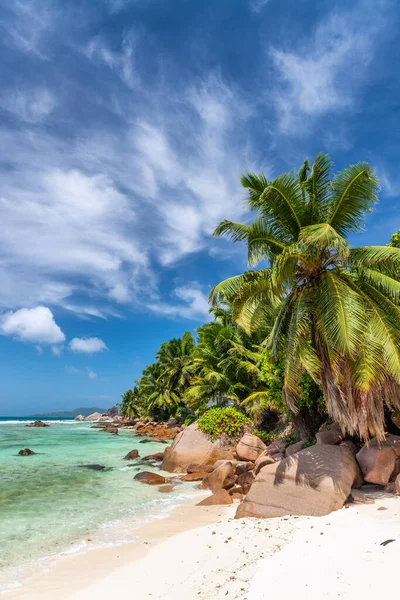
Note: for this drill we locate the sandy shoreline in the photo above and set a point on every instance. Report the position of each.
(203, 553)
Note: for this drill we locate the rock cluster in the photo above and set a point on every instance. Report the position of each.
(26, 452)
(281, 479)
(37, 424)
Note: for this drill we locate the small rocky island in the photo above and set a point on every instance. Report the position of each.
(37, 424)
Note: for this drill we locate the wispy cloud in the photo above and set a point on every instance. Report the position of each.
(29, 105)
(257, 5)
(187, 302)
(323, 74)
(86, 372)
(121, 61)
(27, 24)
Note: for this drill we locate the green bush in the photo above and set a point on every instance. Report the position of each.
(190, 419)
(219, 421)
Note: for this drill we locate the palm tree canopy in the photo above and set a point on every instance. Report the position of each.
(332, 310)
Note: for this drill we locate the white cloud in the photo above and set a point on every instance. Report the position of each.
(30, 105)
(87, 345)
(88, 219)
(257, 5)
(325, 72)
(122, 62)
(74, 371)
(36, 325)
(194, 303)
(57, 350)
(27, 24)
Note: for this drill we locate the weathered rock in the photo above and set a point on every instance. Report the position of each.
(150, 478)
(94, 417)
(112, 412)
(237, 496)
(393, 487)
(250, 447)
(132, 454)
(278, 447)
(350, 445)
(37, 424)
(194, 468)
(245, 481)
(158, 456)
(315, 481)
(380, 463)
(113, 430)
(263, 461)
(79, 418)
(243, 467)
(195, 476)
(166, 489)
(172, 423)
(221, 478)
(329, 433)
(93, 467)
(293, 448)
(359, 498)
(26, 452)
(220, 497)
(193, 446)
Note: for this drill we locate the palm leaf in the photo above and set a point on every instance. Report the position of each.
(354, 192)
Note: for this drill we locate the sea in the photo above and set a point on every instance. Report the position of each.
(52, 504)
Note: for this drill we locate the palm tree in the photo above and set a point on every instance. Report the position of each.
(224, 369)
(175, 358)
(333, 311)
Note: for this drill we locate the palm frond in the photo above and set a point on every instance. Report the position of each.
(354, 192)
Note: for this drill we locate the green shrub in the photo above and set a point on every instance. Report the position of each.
(189, 419)
(219, 421)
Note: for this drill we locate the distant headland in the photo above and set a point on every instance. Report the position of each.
(70, 414)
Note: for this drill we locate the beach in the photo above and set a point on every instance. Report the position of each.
(204, 553)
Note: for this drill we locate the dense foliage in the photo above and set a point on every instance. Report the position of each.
(218, 421)
(332, 311)
(316, 331)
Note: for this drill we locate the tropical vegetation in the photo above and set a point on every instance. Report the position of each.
(315, 330)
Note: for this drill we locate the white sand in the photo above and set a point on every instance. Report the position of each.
(338, 556)
(284, 558)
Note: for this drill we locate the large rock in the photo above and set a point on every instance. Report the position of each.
(315, 481)
(26, 452)
(195, 468)
(250, 447)
(94, 417)
(150, 478)
(37, 424)
(132, 454)
(220, 497)
(221, 478)
(194, 476)
(79, 418)
(380, 463)
(294, 448)
(329, 433)
(193, 446)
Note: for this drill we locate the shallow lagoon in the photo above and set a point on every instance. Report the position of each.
(49, 505)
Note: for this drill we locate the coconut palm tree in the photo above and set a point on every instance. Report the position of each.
(175, 358)
(333, 311)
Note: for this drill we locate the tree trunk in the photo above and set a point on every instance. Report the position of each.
(307, 422)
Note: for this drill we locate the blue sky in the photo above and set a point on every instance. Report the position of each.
(124, 128)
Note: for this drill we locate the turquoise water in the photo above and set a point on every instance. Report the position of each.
(50, 505)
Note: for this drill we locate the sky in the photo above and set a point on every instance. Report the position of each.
(124, 128)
